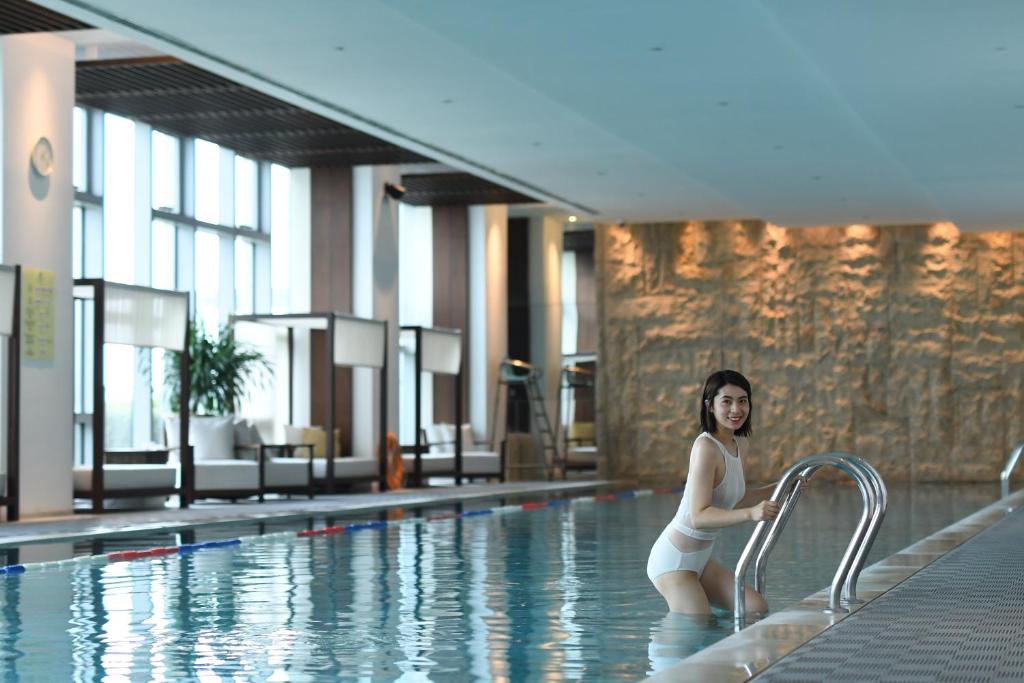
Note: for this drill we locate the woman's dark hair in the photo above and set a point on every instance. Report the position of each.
(712, 386)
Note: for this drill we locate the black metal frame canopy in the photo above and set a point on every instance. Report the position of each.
(10, 326)
(133, 315)
(438, 351)
(350, 341)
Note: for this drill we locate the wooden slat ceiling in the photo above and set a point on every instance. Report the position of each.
(436, 189)
(185, 100)
(20, 16)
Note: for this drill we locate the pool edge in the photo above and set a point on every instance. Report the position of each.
(743, 655)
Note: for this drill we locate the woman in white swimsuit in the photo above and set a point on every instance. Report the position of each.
(680, 564)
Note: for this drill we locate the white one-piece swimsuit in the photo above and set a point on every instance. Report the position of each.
(680, 547)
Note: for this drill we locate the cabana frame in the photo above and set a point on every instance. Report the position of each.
(451, 365)
(97, 494)
(328, 322)
(10, 499)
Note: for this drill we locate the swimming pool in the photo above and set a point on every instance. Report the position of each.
(553, 592)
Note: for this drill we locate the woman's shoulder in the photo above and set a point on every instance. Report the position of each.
(703, 447)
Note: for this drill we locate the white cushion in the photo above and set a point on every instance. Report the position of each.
(435, 437)
(433, 463)
(127, 477)
(222, 475)
(347, 468)
(582, 455)
(213, 437)
(468, 440)
(292, 434)
(246, 433)
(448, 437)
(481, 462)
(172, 431)
(286, 472)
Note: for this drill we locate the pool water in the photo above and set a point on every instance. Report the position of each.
(553, 593)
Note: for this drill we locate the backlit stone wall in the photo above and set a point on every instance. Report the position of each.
(904, 345)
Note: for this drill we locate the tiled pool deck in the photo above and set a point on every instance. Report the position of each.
(757, 647)
(90, 526)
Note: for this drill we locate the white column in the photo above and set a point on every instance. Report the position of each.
(37, 97)
(488, 310)
(545, 278)
(374, 295)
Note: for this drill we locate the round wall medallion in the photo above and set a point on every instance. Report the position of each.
(42, 157)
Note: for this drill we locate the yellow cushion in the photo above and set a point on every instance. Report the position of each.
(318, 437)
(583, 431)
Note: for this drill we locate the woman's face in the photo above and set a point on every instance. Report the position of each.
(731, 407)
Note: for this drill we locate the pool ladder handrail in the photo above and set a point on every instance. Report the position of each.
(844, 584)
(1011, 463)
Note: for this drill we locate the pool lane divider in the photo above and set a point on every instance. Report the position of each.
(189, 548)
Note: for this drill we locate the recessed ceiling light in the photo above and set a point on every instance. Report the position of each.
(447, 101)
(777, 147)
(1000, 48)
(815, 177)
(602, 173)
(339, 48)
(572, 219)
(723, 103)
(657, 48)
(1018, 106)
(536, 143)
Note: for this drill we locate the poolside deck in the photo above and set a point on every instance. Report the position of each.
(88, 526)
(958, 619)
(946, 608)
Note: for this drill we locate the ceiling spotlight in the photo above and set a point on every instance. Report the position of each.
(572, 219)
(394, 190)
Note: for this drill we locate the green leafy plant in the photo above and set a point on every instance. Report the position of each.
(221, 371)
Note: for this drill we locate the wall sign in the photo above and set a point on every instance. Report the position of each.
(37, 315)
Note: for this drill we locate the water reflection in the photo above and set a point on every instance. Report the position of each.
(674, 637)
(556, 594)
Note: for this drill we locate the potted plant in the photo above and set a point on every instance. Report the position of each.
(220, 371)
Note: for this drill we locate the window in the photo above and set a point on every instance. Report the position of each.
(119, 199)
(244, 285)
(77, 241)
(245, 192)
(80, 157)
(166, 155)
(194, 243)
(280, 208)
(207, 282)
(207, 177)
(164, 246)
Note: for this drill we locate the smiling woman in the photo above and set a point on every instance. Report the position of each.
(680, 564)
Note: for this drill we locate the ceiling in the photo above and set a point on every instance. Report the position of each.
(797, 112)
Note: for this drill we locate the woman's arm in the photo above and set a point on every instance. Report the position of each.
(701, 479)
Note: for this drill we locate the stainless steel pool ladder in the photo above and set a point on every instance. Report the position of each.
(787, 493)
(1011, 463)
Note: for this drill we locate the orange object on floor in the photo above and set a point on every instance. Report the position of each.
(396, 468)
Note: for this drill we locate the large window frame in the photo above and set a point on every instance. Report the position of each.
(151, 252)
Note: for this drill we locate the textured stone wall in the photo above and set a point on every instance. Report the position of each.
(902, 344)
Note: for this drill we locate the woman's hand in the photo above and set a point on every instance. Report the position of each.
(765, 510)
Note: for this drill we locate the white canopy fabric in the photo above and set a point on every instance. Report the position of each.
(359, 342)
(145, 317)
(7, 282)
(442, 351)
